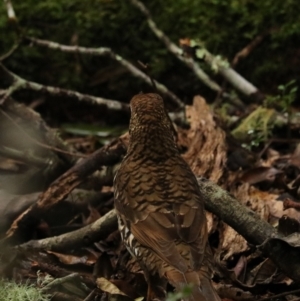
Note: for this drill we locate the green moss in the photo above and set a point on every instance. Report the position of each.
(11, 291)
(256, 127)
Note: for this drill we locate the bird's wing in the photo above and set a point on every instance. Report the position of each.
(163, 221)
(158, 232)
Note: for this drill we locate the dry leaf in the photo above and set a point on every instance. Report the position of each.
(72, 259)
(207, 150)
(108, 287)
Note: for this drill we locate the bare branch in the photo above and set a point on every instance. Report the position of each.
(4, 73)
(234, 78)
(249, 48)
(19, 83)
(85, 236)
(12, 18)
(245, 221)
(10, 52)
(103, 51)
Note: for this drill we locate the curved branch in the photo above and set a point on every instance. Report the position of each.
(19, 83)
(104, 51)
(85, 236)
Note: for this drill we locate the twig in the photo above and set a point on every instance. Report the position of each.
(19, 83)
(12, 18)
(249, 48)
(175, 49)
(103, 51)
(146, 68)
(59, 281)
(10, 52)
(10, 77)
(252, 45)
(247, 223)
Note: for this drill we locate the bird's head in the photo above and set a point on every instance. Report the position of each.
(147, 110)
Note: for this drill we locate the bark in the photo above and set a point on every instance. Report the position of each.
(85, 236)
(245, 221)
(18, 83)
(255, 230)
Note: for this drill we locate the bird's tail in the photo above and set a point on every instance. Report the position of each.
(202, 289)
(206, 284)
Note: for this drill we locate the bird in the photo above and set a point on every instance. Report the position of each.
(159, 206)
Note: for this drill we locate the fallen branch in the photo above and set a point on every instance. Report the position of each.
(247, 223)
(60, 188)
(103, 51)
(243, 220)
(19, 83)
(249, 48)
(85, 236)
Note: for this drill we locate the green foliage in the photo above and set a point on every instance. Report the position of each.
(11, 291)
(217, 61)
(285, 98)
(255, 128)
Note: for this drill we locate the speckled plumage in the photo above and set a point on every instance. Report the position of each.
(157, 199)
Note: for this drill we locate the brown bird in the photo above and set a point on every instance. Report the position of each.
(159, 205)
